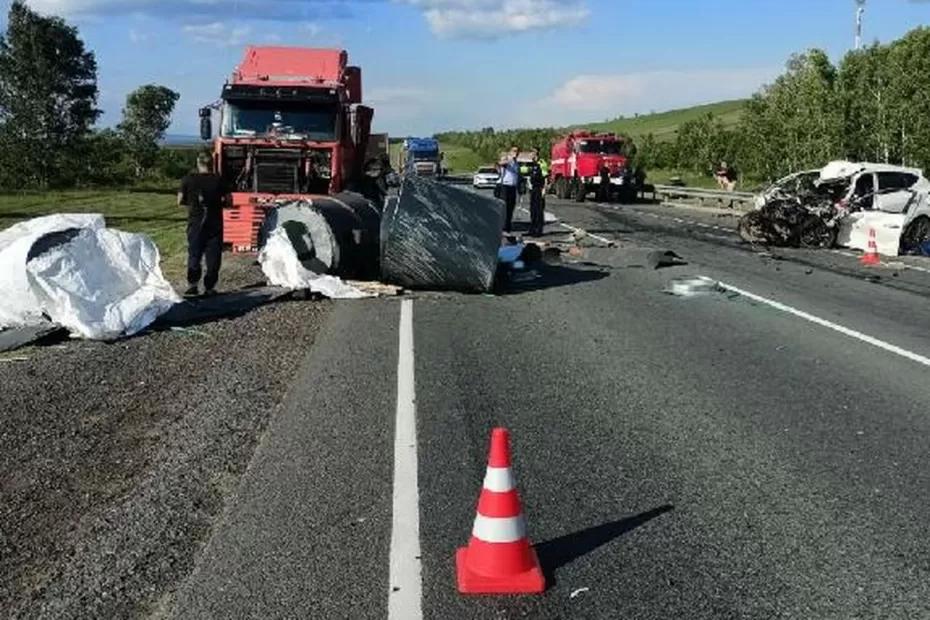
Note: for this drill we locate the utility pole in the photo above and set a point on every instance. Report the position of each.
(860, 11)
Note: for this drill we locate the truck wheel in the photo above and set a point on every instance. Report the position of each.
(581, 191)
(560, 189)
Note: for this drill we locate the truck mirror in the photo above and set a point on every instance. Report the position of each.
(206, 128)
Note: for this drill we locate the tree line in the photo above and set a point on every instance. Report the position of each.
(48, 111)
(871, 106)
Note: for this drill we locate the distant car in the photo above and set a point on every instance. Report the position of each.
(894, 201)
(486, 177)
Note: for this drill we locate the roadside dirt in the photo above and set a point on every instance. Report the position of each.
(115, 459)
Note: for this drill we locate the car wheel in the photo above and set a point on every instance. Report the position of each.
(750, 227)
(916, 238)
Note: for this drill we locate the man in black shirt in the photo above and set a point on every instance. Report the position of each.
(204, 195)
(537, 207)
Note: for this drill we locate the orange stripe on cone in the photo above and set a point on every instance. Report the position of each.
(499, 558)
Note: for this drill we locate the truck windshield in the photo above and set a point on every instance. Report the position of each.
(249, 118)
(425, 155)
(601, 147)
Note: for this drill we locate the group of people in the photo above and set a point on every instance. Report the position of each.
(529, 177)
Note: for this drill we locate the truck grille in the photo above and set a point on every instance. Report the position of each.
(277, 172)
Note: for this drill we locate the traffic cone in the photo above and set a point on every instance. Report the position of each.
(871, 257)
(499, 558)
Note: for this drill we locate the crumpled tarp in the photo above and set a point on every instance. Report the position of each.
(102, 284)
(441, 237)
(19, 306)
(283, 267)
(98, 283)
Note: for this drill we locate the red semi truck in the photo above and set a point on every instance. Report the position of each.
(578, 161)
(291, 127)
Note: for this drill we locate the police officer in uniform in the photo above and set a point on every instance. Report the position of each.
(537, 185)
(204, 194)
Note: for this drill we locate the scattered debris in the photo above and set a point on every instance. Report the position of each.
(532, 253)
(376, 289)
(190, 331)
(661, 259)
(552, 256)
(509, 254)
(578, 591)
(13, 360)
(693, 286)
(12, 339)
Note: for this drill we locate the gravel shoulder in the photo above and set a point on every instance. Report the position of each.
(115, 459)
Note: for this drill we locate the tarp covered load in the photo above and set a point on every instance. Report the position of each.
(440, 236)
(98, 283)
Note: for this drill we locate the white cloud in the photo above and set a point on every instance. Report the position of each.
(137, 37)
(495, 18)
(218, 10)
(219, 34)
(446, 18)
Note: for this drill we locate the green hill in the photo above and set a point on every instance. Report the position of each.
(663, 125)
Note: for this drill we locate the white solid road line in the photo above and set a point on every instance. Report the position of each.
(404, 580)
(875, 342)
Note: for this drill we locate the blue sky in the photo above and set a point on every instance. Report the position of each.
(430, 65)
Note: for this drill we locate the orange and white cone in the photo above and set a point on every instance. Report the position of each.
(499, 558)
(871, 256)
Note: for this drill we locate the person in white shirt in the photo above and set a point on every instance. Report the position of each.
(510, 180)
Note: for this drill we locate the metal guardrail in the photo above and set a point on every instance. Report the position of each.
(738, 201)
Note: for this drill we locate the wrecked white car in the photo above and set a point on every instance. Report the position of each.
(840, 204)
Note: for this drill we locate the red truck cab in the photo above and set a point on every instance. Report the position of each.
(291, 127)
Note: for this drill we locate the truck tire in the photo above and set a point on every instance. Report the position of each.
(561, 188)
(581, 191)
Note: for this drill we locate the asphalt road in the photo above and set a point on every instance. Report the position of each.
(713, 456)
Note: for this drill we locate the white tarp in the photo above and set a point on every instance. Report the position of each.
(19, 307)
(282, 267)
(99, 284)
(102, 284)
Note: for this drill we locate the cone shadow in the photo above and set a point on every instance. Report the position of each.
(556, 553)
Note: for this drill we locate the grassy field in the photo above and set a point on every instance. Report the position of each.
(664, 125)
(460, 160)
(152, 211)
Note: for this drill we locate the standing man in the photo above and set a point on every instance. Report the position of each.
(204, 195)
(510, 180)
(537, 182)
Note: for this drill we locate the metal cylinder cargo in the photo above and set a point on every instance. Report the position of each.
(439, 236)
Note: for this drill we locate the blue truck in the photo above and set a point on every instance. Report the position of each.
(421, 157)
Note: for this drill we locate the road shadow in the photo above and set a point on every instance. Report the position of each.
(539, 275)
(558, 552)
(201, 310)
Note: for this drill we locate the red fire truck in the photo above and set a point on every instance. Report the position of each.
(579, 161)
